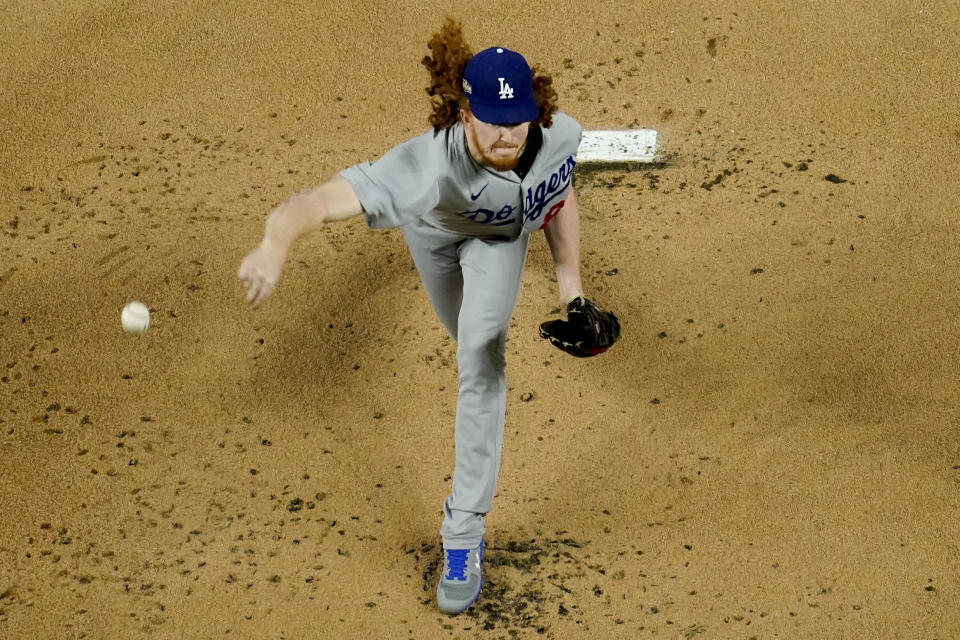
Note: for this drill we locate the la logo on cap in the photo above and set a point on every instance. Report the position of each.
(499, 85)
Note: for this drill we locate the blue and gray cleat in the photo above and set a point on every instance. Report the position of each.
(461, 579)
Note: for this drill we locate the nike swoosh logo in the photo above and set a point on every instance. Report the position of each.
(474, 197)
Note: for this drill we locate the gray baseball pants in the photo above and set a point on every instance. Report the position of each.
(473, 285)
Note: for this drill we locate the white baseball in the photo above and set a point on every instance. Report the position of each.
(135, 317)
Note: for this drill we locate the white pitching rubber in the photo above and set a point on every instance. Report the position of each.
(629, 145)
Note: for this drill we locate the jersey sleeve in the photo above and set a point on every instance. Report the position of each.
(570, 132)
(399, 187)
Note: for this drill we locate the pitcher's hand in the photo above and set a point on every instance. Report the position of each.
(260, 271)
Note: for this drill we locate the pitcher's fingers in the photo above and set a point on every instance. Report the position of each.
(253, 293)
(245, 282)
(263, 292)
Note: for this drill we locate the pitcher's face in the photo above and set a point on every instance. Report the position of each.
(498, 146)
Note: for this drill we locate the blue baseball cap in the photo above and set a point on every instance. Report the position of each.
(498, 85)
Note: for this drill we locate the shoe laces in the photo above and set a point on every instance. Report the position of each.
(457, 564)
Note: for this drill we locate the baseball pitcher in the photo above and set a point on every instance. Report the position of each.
(496, 167)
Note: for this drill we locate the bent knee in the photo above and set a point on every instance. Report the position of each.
(482, 348)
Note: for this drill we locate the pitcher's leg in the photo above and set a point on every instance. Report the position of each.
(492, 273)
(436, 254)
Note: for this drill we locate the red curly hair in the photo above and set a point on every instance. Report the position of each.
(449, 57)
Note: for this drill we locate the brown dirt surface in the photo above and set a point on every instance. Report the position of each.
(771, 451)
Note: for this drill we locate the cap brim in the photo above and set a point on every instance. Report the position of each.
(500, 114)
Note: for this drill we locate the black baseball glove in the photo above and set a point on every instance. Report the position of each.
(587, 331)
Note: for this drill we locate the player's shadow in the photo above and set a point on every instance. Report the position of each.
(339, 306)
(354, 340)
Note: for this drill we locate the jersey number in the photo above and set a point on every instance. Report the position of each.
(554, 210)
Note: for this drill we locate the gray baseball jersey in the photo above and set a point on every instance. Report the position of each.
(433, 177)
